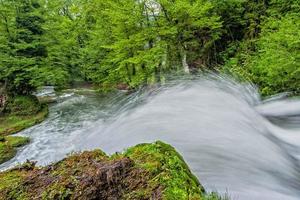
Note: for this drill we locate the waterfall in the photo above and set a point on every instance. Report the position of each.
(234, 142)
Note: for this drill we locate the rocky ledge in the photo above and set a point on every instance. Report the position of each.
(146, 171)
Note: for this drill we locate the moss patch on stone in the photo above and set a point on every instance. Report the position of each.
(146, 171)
(168, 170)
(23, 105)
(11, 123)
(9, 145)
(20, 113)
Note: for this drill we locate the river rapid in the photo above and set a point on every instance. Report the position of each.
(232, 140)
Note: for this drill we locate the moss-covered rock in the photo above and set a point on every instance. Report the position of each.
(146, 171)
(10, 123)
(9, 145)
(21, 112)
(23, 105)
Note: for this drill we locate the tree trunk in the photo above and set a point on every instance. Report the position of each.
(185, 65)
(3, 97)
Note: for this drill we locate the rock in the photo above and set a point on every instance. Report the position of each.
(122, 86)
(146, 171)
(9, 145)
(23, 105)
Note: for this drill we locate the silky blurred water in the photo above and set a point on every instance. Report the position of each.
(234, 142)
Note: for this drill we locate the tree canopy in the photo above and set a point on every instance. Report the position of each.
(109, 42)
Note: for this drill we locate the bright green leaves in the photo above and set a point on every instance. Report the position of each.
(137, 42)
(22, 51)
(277, 64)
(39, 44)
(272, 60)
(133, 43)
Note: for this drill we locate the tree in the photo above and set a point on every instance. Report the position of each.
(271, 59)
(22, 51)
(139, 41)
(62, 32)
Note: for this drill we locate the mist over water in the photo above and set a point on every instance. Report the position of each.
(233, 141)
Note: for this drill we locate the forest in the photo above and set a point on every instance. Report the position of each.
(134, 43)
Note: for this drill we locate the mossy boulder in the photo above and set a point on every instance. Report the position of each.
(21, 112)
(9, 145)
(146, 171)
(10, 124)
(23, 105)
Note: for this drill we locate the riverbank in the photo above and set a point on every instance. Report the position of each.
(23, 112)
(9, 145)
(146, 171)
(11, 124)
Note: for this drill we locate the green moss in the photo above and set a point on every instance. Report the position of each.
(10, 124)
(12, 178)
(168, 169)
(23, 105)
(8, 147)
(17, 141)
(6, 152)
(146, 171)
(21, 112)
(56, 191)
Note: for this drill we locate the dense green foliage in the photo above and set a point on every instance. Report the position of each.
(23, 105)
(136, 43)
(131, 42)
(272, 59)
(22, 50)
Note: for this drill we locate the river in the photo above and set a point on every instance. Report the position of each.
(232, 140)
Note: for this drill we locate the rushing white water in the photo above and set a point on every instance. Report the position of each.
(232, 141)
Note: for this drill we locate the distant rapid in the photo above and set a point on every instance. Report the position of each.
(232, 140)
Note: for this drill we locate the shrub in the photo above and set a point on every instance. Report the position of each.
(23, 105)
